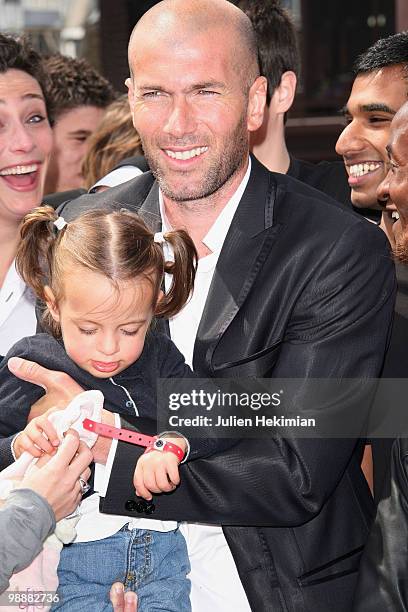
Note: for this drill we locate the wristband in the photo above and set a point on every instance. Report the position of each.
(160, 444)
(134, 437)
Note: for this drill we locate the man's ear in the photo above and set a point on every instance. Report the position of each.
(51, 303)
(284, 94)
(256, 103)
(129, 85)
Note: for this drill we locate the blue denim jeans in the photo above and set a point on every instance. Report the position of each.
(153, 564)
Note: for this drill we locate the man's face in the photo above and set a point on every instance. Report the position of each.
(71, 132)
(395, 185)
(374, 100)
(191, 111)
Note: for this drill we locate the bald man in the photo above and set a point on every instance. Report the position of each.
(289, 285)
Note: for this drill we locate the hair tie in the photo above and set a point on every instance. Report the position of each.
(60, 223)
(159, 238)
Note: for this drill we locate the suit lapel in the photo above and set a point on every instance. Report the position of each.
(246, 247)
(247, 244)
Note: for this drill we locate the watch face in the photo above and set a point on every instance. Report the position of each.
(159, 444)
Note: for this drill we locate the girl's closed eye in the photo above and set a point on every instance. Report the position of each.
(130, 332)
(88, 332)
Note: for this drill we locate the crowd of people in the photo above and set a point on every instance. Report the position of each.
(173, 235)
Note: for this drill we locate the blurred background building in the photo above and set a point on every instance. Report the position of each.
(331, 35)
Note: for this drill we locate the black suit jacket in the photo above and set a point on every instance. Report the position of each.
(302, 288)
(383, 579)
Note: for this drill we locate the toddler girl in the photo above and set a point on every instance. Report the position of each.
(100, 278)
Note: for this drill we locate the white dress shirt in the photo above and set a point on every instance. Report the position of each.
(17, 310)
(215, 583)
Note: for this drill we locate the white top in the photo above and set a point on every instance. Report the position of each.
(215, 583)
(184, 326)
(117, 177)
(17, 310)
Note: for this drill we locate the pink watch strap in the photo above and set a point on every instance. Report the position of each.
(134, 437)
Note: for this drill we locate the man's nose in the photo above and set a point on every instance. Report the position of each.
(383, 189)
(349, 140)
(181, 120)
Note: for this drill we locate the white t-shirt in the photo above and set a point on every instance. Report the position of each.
(17, 310)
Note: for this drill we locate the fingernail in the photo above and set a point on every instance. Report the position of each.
(14, 363)
(119, 588)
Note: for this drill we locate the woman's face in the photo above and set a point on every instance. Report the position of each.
(25, 144)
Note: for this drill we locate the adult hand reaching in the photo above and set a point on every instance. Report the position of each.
(57, 478)
(60, 388)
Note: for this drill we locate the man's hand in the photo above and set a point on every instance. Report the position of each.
(121, 601)
(60, 390)
(59, 387)
(57, 478)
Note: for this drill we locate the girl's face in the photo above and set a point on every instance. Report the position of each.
(103, 329)
(25, 144)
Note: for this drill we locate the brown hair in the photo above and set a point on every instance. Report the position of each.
(16, 53)
(117, 244)
(72, 82)
(114, 139)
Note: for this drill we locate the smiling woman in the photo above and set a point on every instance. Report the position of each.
(25, 147)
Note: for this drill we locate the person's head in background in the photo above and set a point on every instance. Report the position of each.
(280, 63)
(380, 88)
(25, 136)
(79, 96)
(394, 188)
(114, 139)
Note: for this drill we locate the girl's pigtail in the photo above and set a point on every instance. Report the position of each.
(34, 254)
(183, 270)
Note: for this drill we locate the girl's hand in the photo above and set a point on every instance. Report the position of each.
(157, 471)
(38, 437)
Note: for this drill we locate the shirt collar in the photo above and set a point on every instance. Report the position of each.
(214, 239)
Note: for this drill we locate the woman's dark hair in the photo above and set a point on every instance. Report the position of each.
(118, 245)
(16, 53)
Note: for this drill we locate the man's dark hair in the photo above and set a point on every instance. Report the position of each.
(390, 51)
(73, 82)
(16, 53)
(276, 36)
